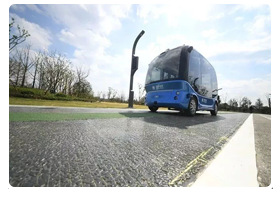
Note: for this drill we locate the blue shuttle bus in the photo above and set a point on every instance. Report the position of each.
(182, 79)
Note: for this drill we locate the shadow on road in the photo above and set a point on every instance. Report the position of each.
(175, 119)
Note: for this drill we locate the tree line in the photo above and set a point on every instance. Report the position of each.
(49, 71)
(244, 104)
(52, 72)
(46, 70)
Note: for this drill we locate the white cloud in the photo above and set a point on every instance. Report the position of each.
(260, 26)
(34, 8)
(253, 88)
(246, 7)
(17, 7)
(177, 12)
(209, 33)
(40, 38)
(239, 18)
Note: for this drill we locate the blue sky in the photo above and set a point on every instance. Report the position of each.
(236, 39)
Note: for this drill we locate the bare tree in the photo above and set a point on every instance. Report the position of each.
(110, 90)
(225, 96)
(15, 40)
(103, 95)
(233, 103)
(37, 60)
(141, 91)
(114, 93)
(259, 103)
(268, 98)
(26, 62)
(80, 82)
(122, 96)
(14, 68)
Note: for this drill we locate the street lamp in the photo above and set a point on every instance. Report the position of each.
(134, 67)
(269, 102)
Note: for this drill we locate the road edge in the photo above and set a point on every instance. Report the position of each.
(235, 165)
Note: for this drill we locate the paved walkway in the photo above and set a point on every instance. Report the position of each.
(235, 165)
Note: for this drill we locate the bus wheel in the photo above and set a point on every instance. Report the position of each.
(153, 108)
(215, 111)
(192, 107)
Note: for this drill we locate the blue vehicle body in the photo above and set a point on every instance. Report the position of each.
(176, 94)
(174, 86)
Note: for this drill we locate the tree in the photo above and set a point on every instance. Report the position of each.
(15, 40)
(103, 95)
(141, 91)
(14, 68)
(225, 96)
(245, 103)
(82, 89)
(109, 92)
(268, 98)
(23, 56)
(122, 96)
(259, 104)
(233, 104)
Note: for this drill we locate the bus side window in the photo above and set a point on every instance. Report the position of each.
(206, 81)
(194, 70)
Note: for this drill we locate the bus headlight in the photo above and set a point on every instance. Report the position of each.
(177, 93)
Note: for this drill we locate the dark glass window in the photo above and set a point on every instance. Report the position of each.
(165, 66)
(194, 70)
(206, 81)
(214, 83)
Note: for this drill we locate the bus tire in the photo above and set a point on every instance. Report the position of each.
(153, 108)
(215, 111)
(192, 107)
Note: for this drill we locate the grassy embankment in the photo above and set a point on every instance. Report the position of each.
(31, 96)
(43, 102)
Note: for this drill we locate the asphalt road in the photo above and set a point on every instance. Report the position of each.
(164, 149)
(262, 128)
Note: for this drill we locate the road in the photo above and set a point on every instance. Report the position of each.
(113, 147)
(262, 127)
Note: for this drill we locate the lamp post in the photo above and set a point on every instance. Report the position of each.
(134, 67)
(269, 101)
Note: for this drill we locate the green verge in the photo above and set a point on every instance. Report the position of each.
(42, 102)
(15, 116)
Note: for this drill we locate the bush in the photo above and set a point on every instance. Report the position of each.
(60, 95)
(33, 93)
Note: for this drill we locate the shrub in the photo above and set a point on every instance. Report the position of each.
(60, 95)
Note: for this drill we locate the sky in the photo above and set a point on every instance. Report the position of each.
(235, 38)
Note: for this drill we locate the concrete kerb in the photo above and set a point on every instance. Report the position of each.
(235, 165)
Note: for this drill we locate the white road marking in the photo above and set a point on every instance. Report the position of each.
(235, 165)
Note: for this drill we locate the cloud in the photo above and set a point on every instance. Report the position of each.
(17, 7)
(211, 33)
(260, 26)
(176, 13)
(246, 8)
(40, 38)
(239, 18)
(252, 88)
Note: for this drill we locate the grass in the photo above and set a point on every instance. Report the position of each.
(40, 102)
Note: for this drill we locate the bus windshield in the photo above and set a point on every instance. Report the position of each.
(165, 66)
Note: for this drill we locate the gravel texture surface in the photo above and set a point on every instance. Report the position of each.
(165, 150)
